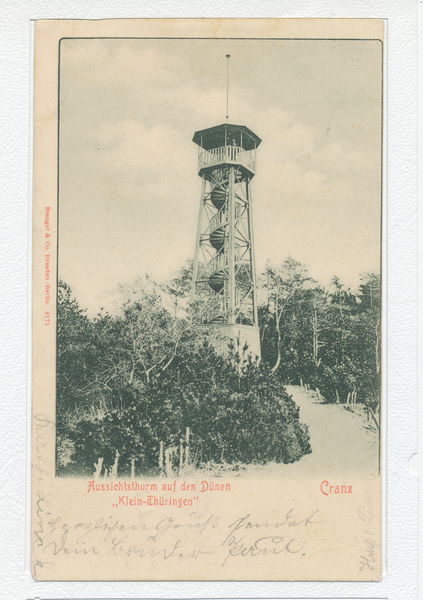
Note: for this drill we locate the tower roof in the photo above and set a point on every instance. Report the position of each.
(215, 137)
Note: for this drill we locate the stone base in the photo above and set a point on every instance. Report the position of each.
(240, 334)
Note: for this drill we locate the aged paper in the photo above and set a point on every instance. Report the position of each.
(163, 448)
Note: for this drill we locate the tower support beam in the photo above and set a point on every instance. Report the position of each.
(252, 251)
(231, 246)
(197, 241)
(224, 273)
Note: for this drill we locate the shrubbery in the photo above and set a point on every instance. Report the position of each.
(328, 338)
(130, 382)
(128, 390)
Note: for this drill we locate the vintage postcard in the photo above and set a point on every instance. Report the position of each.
(207, 300)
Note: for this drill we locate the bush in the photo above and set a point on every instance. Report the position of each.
(127, 383)
(236, 410)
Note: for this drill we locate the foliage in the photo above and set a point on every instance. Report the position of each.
(327, 338)
(127, 383)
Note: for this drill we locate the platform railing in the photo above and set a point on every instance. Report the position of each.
(227, 154)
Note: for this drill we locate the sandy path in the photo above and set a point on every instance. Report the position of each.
(340, 442)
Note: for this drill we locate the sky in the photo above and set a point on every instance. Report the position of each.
(129, 190)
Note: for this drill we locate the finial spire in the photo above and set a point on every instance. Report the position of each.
(228, 56)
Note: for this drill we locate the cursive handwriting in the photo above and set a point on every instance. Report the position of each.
(365, 512)
(154, 538)
(168, 538)
(290, 520)
(43, 467)
(271, 544)
(43, 431)
(264, 545)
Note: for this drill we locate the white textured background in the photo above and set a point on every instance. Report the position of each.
(401, 580)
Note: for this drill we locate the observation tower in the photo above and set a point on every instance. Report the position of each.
(224, 263)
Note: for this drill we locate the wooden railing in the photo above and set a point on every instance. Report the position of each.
(218, 220)
(217, 263)
(221, 261)
(227, 154)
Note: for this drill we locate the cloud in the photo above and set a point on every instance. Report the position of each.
(339, 159)
(121, 64)
(129, 186)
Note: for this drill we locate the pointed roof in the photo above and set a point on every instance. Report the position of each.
(214, 137)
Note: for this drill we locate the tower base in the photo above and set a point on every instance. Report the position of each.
(241, 335)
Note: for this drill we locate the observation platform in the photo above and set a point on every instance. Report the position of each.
(227, 155)
(226, 145)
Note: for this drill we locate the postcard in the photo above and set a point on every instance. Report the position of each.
(207, 349)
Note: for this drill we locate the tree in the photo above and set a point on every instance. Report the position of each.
(180, 286)
(74, 351)
(370, 301)
(283, 283)
(144, 376)
(328, 338)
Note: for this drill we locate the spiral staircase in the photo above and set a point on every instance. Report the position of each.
(224, 258)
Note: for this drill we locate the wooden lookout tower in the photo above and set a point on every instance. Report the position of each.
(224, 261)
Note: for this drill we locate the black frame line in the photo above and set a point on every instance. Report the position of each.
(276, 39)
